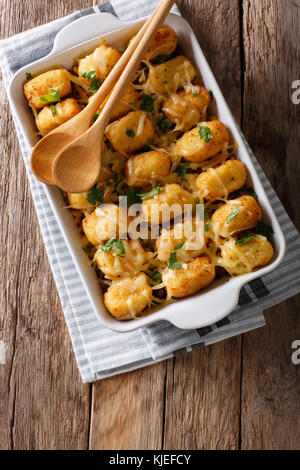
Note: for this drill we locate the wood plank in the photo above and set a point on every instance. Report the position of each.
(203, 387)
(43, 401)
(127, 410)
(271, 385)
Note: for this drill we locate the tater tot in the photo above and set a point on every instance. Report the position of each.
(187, 107)
(126, 298)
(218, 182)
(133, 261)
(189, 234)
(65, 110)
(236, 216)
(164, 43)
(101, 61)
(244, 258)
(124, 106)
(148, 167)
(170, 76)
(131, 132)
(194, 148)
(79, 201)
(41, 85)
(190, 278)
(104, 223)
(167, 204)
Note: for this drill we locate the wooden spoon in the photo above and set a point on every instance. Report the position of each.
(48, 147)
(77, 167)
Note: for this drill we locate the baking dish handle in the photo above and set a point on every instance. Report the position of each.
(214, 305)
(83, 29)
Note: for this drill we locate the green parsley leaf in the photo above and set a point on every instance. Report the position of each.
(204, 133)
(132, 196)
(252, 193)
(130, 133)
(108, 182)
(180, 245)
(265, 230)
(195, 93)
(53, 110)
(96, 116)
(211, 94)
(165, 82)
(182, 169)
(164, 124)
(156, 189)
(147, 104)
(146, 147)
(87, 249)
(246, 239)
(114, 243)
(173, 263)
(207, 227)
(95, 82)
(95, 195)
(28, 75)
(52, 97)
(160, 59)
(155, 275)
(233, 214)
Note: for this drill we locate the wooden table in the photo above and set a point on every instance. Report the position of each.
(242, 393)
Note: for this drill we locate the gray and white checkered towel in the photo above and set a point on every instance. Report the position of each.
(100, 352)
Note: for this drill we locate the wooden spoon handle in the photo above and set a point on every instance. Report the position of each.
(116, 72)
(156, 19)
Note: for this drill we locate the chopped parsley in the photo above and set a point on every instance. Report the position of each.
(211, 94)
(156, 189)
(165, 82)
(95, 82)
(132, 196)
(147, 104)
(114, 243)
(195, 93)
(164, 124)
(87, 249)
(155, 275)
(265, 230)
(130, 133)
(204, 133)
(95, 195)
(252, 193)
(182, 169)
(207, 227)
(53, 110)
(96, 116)
(28, 75)
(160, 59)
(233, 214)
(146, 147)
(108, 182)
(173, 263)
(246, 239)
(180, 245)
(52, 97)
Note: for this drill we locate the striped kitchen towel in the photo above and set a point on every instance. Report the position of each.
(100, 352)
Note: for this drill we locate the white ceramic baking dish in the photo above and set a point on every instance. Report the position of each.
(215, 302)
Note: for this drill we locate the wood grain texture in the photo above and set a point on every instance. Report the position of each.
(127, 410)
(43, 401)
(271, 383)
(193, 401)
